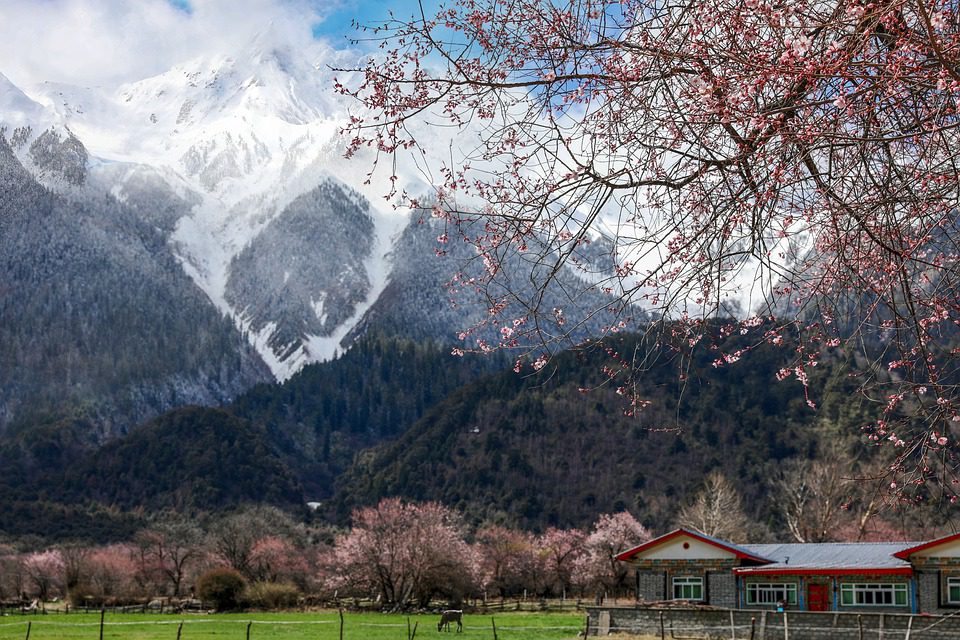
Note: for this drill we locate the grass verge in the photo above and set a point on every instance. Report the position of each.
(324, 625)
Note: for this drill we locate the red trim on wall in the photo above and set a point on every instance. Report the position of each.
(906, 553)
(627, 555)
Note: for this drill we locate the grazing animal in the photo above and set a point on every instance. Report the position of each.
(448, 616)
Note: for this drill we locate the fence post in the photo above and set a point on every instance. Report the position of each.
(103, 612)
(341, 623)
(786, 626)
(753, 626)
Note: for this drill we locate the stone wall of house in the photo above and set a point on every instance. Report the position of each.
(651, 586)
(932, 574)
(722, 589)
(654, 579)
(928, 591)
(768, 625)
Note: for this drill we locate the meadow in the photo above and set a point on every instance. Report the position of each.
(323, 625)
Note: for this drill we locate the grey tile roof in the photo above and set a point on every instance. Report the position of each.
(744, 549)
(830, 555)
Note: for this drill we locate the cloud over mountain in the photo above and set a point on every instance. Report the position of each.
(112, 41)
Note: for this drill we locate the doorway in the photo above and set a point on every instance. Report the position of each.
(818, 597)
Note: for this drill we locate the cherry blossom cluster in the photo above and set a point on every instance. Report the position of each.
(743, 159)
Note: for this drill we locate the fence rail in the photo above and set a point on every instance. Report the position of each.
(737, 624)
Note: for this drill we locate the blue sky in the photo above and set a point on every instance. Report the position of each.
(338, 16)
(336, 26)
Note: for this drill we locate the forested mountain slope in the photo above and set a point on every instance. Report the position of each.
(98, 319)
(397, 418)
(322, 417)
(536, 450)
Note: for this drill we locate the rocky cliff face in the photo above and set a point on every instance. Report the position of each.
(304, 275)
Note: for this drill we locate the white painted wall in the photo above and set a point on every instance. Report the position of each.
(946, 550)
(673, 549)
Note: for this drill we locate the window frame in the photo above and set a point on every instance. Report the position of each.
(953, 582)
(789, 590)
(691, 582)
(860, 589)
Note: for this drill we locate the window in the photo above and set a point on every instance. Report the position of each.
(688, 588)
(873, 595)
(953, 590)
(771, 592)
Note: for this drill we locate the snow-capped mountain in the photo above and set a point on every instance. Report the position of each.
(226, 176)
(237, 159)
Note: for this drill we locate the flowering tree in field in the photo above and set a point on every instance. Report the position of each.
(561, 549)
(510, 562)
(611, 535)
(404, 553)
(44, 572)
(112, 572)
(789, 168)
(276, 559)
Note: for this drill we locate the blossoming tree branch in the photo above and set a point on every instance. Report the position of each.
(782, 170)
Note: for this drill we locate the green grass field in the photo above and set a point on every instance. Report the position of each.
(286, 626)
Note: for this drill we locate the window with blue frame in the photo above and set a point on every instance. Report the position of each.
(759, 593)
(854, 594)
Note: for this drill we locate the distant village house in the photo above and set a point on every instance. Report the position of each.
(905, 577)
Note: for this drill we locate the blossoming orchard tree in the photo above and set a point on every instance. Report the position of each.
(403, 553)
(783, 170)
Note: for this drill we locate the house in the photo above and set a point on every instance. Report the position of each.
(904, 577)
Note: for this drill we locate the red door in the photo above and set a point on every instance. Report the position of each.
(818, 597)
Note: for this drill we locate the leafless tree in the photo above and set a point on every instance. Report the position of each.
(717, 510)
(167, 551)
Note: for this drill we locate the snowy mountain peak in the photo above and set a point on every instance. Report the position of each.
(18, 110)
(236, 158)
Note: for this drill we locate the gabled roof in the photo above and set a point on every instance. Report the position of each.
(835, 558)
(740, 552)
(906, 553)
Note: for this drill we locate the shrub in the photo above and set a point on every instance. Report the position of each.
(83, 595)
(222, 587)
(271, 595)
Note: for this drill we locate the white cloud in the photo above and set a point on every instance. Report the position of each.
(106, 42)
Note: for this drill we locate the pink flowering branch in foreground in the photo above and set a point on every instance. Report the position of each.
(785, 171)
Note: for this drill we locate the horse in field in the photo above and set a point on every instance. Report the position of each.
(448, 616)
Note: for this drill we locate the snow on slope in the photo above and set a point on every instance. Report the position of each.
(17, 110)
(243, 136)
